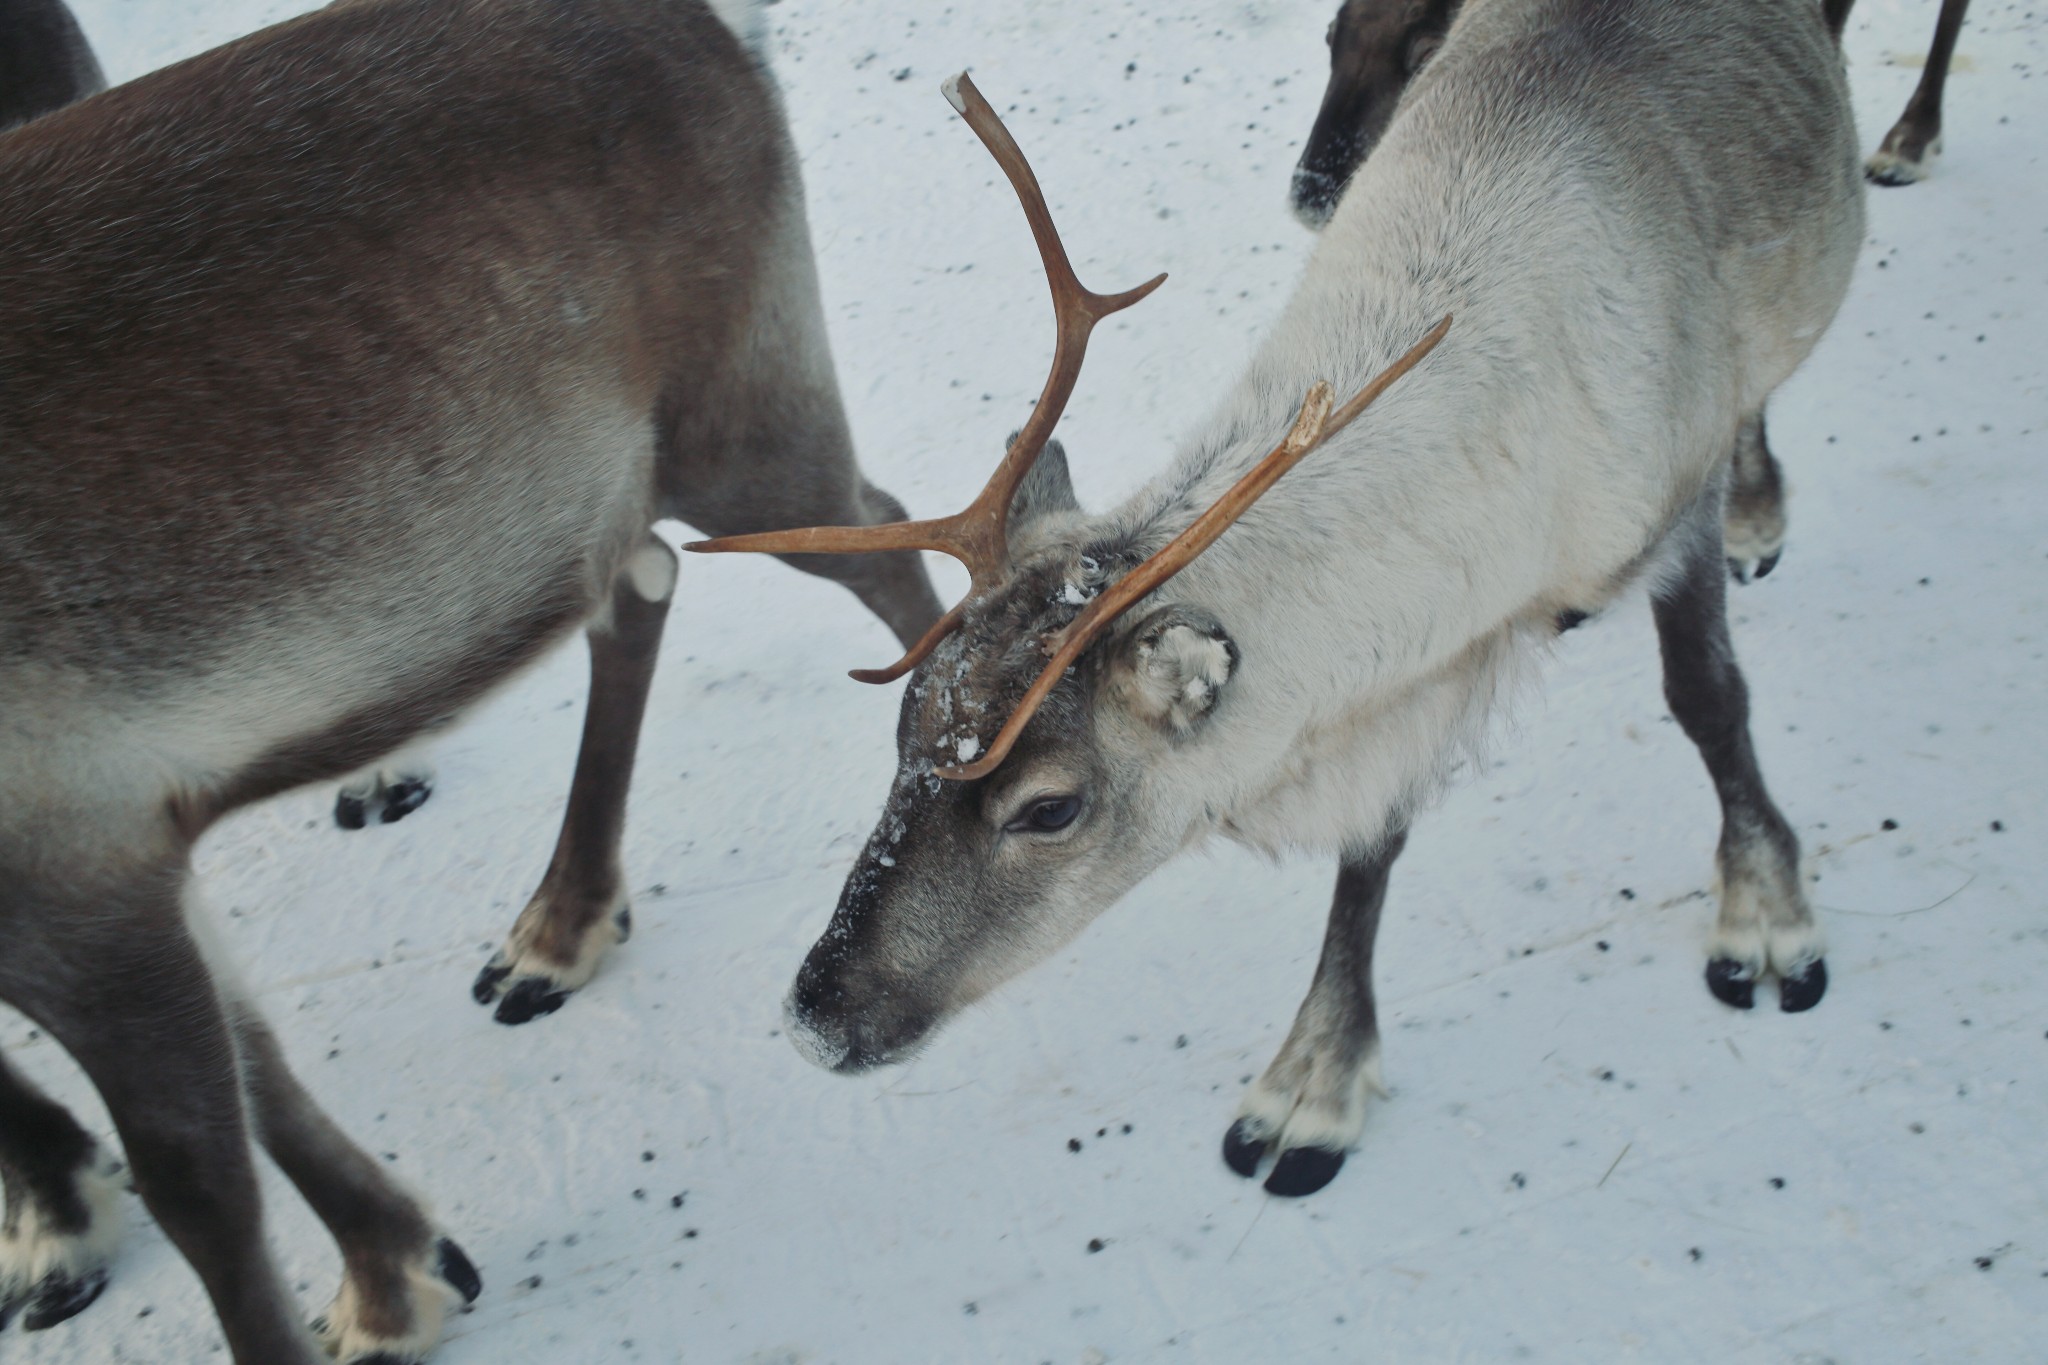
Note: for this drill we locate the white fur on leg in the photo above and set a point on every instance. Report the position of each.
(1890, 168)
(1310, 1101)
(33, 1252)
(345, 1335)
(1765, 921)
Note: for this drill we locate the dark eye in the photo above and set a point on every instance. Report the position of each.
(1046, 816)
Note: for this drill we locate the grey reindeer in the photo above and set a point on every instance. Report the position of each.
(343, 370)
(1605, 195)
(1376, 49)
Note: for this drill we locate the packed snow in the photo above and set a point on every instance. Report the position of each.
(1584, 1158)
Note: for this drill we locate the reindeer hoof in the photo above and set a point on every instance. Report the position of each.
(1732, 983)
(1241, 1151)
(58, 1298)
(529, 999)
(458, 1270)
(485, 988)
(1801, 990)
(1303, 1170)
(403, 797)
(390, 798)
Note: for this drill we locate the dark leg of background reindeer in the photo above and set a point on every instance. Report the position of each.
(1903, 157)
(1312, 1098)
(1765, 923)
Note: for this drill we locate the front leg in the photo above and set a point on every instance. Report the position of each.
(1310, 1104)
(580, 910)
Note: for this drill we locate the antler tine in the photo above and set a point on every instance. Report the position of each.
(978, 535)
(1076, 310)
(1313, 425)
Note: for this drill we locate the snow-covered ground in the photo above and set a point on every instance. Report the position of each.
(1585, 1157)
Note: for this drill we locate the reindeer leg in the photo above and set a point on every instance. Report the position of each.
(1915, 140)
(581, 910)
(1765, 922)
(62, 1219)
(1753, 528)
(399, 1274)
(113, 975)
(1310, 1103)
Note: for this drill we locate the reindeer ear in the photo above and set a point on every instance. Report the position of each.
(1047, 488)
(1173, 668)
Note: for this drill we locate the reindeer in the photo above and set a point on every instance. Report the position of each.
(1377, 47)
(343, 370)
(45, 61)
(1642, 216)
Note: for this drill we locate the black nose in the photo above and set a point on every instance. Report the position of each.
(1314, 195)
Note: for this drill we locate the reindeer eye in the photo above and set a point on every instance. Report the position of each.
(1048, 816)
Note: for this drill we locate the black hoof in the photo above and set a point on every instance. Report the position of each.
(456, 1268)
(350, 812)
(1731, 983)
(485, 988)
(60, 1297)
(382, 1358)
(1738, 571)
(623, 922)
(404, 797)
(1242, 1151)
(1803, 989)
(1303, 1170)
(531, 998)
(1768, 563)
(1889, 178)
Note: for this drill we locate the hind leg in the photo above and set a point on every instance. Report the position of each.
(111, 973)
(399, 1275)
(1909, 149)
(1753, 526)
(580, 910)
(62, 1219)
(894, 586)
(1765, 922)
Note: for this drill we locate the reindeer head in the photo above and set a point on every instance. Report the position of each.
(1376, 47)
(1038, 715)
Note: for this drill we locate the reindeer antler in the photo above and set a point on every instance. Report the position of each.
(1312, 426)
(977, 536)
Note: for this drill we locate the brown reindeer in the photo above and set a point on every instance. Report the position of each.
(45, 62)
(343, 370)
(1377, 46)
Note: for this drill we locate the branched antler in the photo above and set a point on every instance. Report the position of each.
(978, 535)
(1313, 425)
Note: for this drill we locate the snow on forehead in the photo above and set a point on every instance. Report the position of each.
(964, 692)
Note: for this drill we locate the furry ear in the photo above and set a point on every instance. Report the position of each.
(1046, 489)
(1173, 668)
